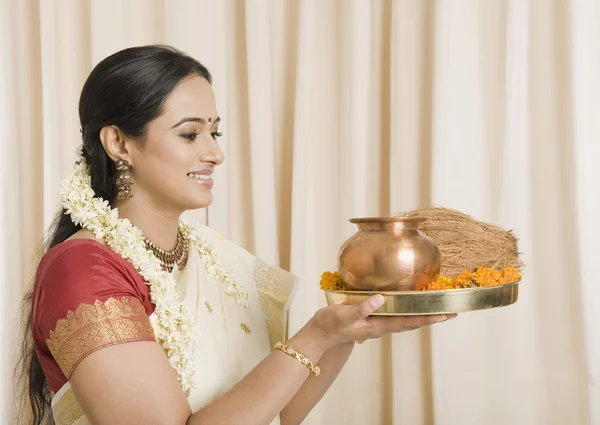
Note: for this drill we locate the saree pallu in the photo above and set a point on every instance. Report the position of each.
(232, 339)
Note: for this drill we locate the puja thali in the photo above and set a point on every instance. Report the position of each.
(445, 301)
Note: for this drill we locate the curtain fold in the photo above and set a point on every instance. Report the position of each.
(338, 109)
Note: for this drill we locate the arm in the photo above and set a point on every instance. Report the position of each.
(332, 363)
(134, 383)
(315, 388)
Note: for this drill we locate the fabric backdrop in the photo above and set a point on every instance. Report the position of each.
(334, 109)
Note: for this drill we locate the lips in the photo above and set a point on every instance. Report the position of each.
(202, 177)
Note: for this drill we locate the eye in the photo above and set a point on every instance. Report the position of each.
(191, 136)
(216, 134)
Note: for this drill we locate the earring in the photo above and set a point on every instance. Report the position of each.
(124, 181)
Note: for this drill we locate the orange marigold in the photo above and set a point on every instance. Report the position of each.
(464, 280)
(483, 276)
(332, 281)
(509, 275)
(441, 282)
(486, 276)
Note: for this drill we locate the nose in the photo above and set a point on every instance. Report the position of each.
(212, 152)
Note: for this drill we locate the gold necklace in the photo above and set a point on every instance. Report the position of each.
(168, 258)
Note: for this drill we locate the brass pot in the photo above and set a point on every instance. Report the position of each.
(388, 254)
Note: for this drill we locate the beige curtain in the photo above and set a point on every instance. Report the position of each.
(341, 108)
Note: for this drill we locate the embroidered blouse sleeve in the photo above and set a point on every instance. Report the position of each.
(87, 299)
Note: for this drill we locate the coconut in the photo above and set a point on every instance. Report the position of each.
(466, 243)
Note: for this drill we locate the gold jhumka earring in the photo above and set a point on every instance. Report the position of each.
(124, 181)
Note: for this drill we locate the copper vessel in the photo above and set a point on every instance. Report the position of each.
(388, 254)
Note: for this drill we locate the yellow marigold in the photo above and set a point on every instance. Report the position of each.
(463, 280)
(509, 275)
(486, 276)
(332, 281)
(483, 276)
(441, 282)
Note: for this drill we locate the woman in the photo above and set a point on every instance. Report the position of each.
(139, 317)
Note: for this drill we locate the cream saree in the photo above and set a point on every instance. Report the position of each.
(231, 339)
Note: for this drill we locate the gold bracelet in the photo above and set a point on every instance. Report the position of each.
(314, 369)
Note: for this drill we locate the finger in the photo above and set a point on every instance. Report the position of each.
(351, 314)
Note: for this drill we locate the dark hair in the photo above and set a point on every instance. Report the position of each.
(127, 89)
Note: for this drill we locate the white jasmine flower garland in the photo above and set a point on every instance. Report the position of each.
(173, 326)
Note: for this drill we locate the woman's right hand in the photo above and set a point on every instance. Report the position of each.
(340, 324)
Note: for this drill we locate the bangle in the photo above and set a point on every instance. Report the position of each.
(314, 369)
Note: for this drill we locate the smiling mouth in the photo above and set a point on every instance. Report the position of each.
(199, 177)
(203, 179)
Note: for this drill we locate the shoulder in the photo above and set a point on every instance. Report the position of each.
(227, 248)
(262, 271)
(82, 271)
(214, 240)
(83, 253)
(72, 262)
(86, 297)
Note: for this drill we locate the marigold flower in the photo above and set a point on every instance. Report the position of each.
(509, 275)
(483, 276)
(441, 282)
(464, 280)
(486, 276)
(332, 281)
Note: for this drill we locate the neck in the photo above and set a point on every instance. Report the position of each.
(159, 227)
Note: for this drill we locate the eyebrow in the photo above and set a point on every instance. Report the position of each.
(195, 119)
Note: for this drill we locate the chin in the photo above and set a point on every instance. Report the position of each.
(199, 202)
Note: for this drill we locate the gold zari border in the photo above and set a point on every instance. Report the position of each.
(275, 286)
(96, 326)
(67, 410)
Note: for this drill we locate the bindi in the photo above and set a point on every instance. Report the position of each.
(209, 119)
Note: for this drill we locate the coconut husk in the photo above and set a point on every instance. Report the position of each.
(466, 243)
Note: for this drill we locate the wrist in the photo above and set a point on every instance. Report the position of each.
(310, 341)
(341, 351)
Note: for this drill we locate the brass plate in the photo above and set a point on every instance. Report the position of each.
(406, 303)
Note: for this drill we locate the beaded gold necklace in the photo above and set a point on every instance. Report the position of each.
(168, 258)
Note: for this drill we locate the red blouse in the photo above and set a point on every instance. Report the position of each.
(86, 297)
